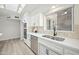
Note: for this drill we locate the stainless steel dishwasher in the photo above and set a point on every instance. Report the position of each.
(34, 44)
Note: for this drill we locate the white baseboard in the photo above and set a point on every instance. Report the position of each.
(9, 39)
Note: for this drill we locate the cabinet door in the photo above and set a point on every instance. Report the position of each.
(34, 20)
(51, 52)
(28, 40)
(37, 19)
(70, 52)
(41, 49)
(29, 37)
(53, 46)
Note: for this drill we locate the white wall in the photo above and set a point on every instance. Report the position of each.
(22, 30)
(9, 28)
(76, 14)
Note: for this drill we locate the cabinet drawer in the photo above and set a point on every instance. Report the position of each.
(70, 52)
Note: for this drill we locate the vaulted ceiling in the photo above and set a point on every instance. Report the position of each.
(13, 7)
(43, 8)
(11, 10)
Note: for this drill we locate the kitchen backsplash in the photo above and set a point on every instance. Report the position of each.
(73, 34)
(39, 29)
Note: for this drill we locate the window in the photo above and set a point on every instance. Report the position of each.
(65, 19)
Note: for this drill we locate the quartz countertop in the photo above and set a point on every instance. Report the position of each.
(72, 43)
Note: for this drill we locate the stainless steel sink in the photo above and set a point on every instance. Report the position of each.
(47, 36)
(54, 38)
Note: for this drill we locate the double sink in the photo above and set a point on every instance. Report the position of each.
(54, 38)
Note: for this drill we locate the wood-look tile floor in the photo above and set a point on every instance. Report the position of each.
(14, 47)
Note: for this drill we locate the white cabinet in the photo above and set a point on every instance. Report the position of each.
(51, 52)
(28, 40)
(41, 49)
(52, 46)
(44, 50)
(70, 52)
(37, 20)
(45, 47)
(28, 36)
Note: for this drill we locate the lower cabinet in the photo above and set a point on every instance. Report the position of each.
(51, 52)
(43, 50)
(28, 40)
(70, 52)
(44, 47)
(55, 49)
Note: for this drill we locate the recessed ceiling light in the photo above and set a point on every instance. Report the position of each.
(53, 6)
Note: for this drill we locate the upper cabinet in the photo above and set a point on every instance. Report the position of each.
(37, 20)
(62, 20)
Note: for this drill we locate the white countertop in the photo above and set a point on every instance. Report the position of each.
(72, 43)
